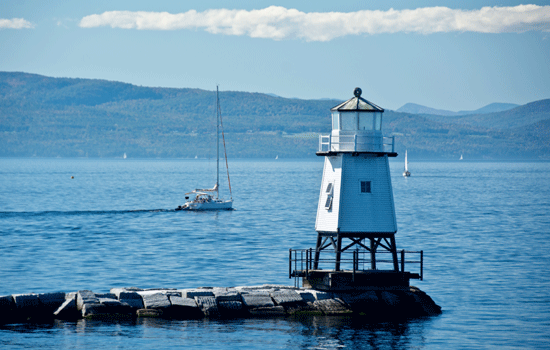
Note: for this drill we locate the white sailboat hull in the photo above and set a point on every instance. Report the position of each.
(219, 204)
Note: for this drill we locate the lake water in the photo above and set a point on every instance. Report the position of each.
(484, 228)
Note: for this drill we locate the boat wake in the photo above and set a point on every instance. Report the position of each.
(78, 212)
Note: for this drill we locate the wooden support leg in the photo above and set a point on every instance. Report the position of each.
(338, 251)
(394, 253)
(317, 252)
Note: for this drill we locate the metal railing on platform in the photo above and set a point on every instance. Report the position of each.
(354, 143)
(301, 261)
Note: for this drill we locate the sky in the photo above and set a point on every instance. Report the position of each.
(453, 55)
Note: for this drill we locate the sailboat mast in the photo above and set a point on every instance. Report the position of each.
(217, 143)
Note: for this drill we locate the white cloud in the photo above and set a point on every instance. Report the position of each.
(280, 23)
(15, 23)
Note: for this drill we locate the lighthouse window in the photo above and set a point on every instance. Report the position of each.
(365, 187)
(328, 203)
(377, 121)
(348, 121)
(335, 120)
(366, 121)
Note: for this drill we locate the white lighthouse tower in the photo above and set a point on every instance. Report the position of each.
(356, 193)
(355, 222)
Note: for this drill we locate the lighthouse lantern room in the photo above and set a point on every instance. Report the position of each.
(356, 221)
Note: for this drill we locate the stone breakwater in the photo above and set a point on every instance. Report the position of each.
(258, 301)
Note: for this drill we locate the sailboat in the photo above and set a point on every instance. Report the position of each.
(461, 157)
(209, 199)
(406, 173)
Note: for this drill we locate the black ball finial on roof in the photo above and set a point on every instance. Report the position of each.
(357, 92)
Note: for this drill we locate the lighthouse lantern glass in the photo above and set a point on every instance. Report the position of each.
(349, 121)
(335, 120)
(366, 121)
(377, 121)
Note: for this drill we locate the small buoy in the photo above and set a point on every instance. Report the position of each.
(72, 177)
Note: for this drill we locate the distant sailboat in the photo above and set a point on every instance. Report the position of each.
(204, 199)
(124, 156)
(461, 158)
(277, 157)
(406, 173)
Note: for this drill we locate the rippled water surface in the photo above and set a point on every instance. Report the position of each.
(484, 229)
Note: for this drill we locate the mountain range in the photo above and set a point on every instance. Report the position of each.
(64, 117)
(490, 108)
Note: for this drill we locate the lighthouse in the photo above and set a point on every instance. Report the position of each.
(356, 222)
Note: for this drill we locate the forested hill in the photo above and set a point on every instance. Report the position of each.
(49, 117)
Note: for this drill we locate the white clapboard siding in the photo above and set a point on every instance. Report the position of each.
(366, 212)
(351, 210)
(327, 219)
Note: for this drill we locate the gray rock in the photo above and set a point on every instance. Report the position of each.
(208, 305)
(320, 295)
(307, 295)
(109, 302)
(117, 291)
(284, 297)
(51, 301)
(391, 299)
(429, 307)
(231, 309)
(359, 299)
(332, 306)
(115, 306)
(183, 302)
(255, 291)
(149, 313)
(67, 310)
(302, 308)
(90, 310)
(6, 301)
(131, 298)
(156, 301)
(24, 301)
(192, 293)
(230, 305)
(227, 295)
(71, 295)
(7, 306)
(277, 287)
(184, 308)
(28, 307)
(165, 291)
(268, 311)
(106, 296)
(413, 305)
(85, 297)
(253, 301)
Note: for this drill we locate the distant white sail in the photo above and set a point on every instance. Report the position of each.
(406, 172)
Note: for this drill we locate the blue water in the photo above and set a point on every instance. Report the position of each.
(484, 228)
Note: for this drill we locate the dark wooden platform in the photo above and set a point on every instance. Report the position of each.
(341, 281)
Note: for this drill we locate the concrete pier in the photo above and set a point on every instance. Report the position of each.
(217, 302)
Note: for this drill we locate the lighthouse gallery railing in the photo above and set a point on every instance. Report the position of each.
(354, 143)
(300, 261)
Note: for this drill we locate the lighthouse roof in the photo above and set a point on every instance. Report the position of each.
(356, 104)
